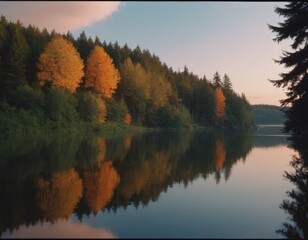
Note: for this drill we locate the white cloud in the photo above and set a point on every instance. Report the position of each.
(61, 16)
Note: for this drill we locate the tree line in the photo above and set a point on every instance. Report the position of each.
(47, 78)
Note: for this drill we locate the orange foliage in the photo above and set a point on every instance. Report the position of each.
(61, 65)
(127, 118)
(127, 142)
(219, 103)
(58, 196)
(220, 154)
(101, 75)
(99, 186)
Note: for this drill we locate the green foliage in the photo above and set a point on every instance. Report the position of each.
(27, 98)
(89, 108)
(13, 56)
(18, 119)
(116, 110)
(238, 110)
(60, 105)
(174, 117)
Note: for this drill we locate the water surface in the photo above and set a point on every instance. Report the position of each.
(163, 184)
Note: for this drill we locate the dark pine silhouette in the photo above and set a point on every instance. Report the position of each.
(295, 81)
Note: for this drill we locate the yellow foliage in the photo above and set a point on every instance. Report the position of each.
(219, 103)
(61, 65)
(101, 75)
(151, 172)
(134, 79)
(99, 186)
(58, 196)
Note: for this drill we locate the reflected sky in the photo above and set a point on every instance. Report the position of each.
(60, 229)
(245, 206)
(162, 184)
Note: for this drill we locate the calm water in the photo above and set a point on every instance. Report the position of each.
(162, 184)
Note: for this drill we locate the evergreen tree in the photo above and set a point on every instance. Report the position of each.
(3, 36)
(216, 80)
(15, 62)
(226, 84)
(84, 46)
(295, 81)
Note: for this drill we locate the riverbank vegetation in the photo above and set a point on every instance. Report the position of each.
(53, 81)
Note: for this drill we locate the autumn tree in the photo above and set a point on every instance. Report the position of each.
(60, 65)
(101, 75)
(295, 81)
(220, 154)
(134, 88)
(58, 196)
(99, 186)
(219, 103)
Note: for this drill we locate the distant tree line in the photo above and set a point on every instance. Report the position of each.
(53, 79)
(269, 114)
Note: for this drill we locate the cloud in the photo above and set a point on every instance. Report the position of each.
(61, 16)
(60, 229)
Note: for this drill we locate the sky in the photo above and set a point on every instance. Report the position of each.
(228, 37)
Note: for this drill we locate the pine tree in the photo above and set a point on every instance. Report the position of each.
(3, 36)
(295, 81)
(15, 52)
(226, 84)
(216, 80)
(84, 46)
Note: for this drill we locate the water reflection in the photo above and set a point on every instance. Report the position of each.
(51, 179)
(60, 229)
(296, 205)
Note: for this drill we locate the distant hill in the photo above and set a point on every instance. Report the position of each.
(268, 114)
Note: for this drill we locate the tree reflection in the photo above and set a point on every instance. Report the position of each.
(92, 152)
(296, 206)
(220, 154)
(108, 174)
(99, 186)
(58, 195)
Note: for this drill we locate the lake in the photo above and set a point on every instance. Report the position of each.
(173, 184)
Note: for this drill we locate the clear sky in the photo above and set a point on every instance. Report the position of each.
(228, 37)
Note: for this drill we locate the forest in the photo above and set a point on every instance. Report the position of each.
(51, 80)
